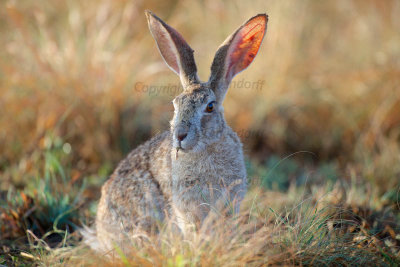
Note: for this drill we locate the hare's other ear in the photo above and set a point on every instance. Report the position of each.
(236, 53)
(176, 52)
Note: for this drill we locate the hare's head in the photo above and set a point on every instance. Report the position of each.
(198, 118)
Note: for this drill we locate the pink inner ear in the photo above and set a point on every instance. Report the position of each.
(165, 46)
(245, 45)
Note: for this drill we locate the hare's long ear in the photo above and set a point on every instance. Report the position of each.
(176, 52)
(236, 53)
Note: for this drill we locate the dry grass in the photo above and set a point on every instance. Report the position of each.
(71, 108)
(315, 231)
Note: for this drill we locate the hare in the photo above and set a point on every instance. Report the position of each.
(197, 164)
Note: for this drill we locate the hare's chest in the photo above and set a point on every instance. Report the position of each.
(204, 170)
(206, 178)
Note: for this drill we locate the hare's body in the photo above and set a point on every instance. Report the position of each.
(197, 165)
(151, 183)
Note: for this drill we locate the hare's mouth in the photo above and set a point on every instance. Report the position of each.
(178, 147)
(185, 144)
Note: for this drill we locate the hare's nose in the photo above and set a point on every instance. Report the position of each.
(181, 133)
(181, 136)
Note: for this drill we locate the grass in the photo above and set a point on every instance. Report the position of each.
(305, 224)
(322, 134)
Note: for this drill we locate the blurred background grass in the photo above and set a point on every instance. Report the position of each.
(75, 97)
(70, 70)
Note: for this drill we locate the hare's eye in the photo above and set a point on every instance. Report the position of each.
(210, 107)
